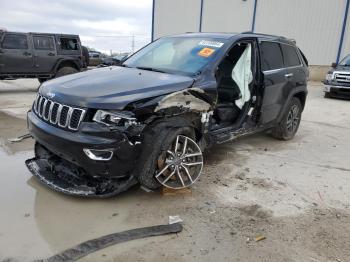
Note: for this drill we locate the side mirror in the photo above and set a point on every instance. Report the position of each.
(334, 65)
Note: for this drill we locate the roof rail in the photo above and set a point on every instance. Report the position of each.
(260, 34)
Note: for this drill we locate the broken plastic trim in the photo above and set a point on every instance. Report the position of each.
(19, 139)
(94, 245)
(184, 99)
(65, 178)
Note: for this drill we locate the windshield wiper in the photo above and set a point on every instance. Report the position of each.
(150, 69)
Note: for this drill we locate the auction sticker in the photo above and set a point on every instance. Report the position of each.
(211, 43)
(206, 52)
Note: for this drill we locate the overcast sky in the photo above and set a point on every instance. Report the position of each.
(102, 24)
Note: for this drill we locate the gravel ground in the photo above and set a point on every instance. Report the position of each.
(295, 194)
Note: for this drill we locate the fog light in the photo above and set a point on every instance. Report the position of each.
(98, 155)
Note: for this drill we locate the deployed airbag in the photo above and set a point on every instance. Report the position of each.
(243, 76)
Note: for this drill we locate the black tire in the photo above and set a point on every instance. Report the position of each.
(286, 130)
(327, 95)
(66, 71)
(42, 80)
(155, 143)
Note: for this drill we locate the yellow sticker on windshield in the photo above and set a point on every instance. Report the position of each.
(206, 52)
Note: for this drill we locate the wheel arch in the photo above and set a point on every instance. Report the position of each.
(66, 63)
(301, 95)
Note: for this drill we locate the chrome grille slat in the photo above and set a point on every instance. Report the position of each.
(342, 77)
(46, 110)
(57, 114)
(36, 104)
(62, 121)
(54, 115)
(50, 111)
(40, 106)
(82, 114)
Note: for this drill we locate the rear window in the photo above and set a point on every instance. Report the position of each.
(69, 44)
(15, 42)
(271, 56)
(290, 56)
(43, 43)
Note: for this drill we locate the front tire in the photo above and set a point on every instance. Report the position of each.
(160, 166)
(289, 125)
(66, 71)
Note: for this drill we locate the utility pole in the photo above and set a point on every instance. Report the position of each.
(133, 44)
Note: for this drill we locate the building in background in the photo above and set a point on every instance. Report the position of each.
(321, 28)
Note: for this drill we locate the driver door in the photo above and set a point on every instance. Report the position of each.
(15, 54)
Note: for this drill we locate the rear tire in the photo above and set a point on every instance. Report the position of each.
(289, 125)
(157, 140)
(66, 71)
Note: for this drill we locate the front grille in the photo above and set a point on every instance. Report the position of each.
(58, 114)
(342, 77)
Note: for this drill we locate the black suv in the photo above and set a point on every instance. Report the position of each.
(337, 82)
(100, 132)
(38, 55)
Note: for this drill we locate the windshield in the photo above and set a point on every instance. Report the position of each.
(176, 55)
(120, 57)
(345, 61)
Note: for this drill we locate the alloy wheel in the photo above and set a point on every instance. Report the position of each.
(293, 119)
(181, 165)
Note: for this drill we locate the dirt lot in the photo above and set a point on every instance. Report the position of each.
(295, 193)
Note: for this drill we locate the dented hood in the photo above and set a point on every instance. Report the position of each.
(112, 87)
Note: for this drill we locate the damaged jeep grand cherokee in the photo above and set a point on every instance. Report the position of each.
(148, 121)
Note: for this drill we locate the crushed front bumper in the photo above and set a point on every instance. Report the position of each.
(62, 178)
(61, 163)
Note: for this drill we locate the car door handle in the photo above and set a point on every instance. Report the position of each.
(51, 54)
(27, 54)
(289, 75)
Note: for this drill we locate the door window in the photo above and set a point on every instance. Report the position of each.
(271, 56)
(69, 44)
(12, 41)
(43, 43)
(290, 56)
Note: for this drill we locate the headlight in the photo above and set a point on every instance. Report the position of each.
(113, 118)
(329, 77)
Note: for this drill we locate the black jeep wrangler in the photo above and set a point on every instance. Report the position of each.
(38, 55)
(100, 132)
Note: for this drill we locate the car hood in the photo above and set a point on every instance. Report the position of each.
(345, 69)
(112, 87)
